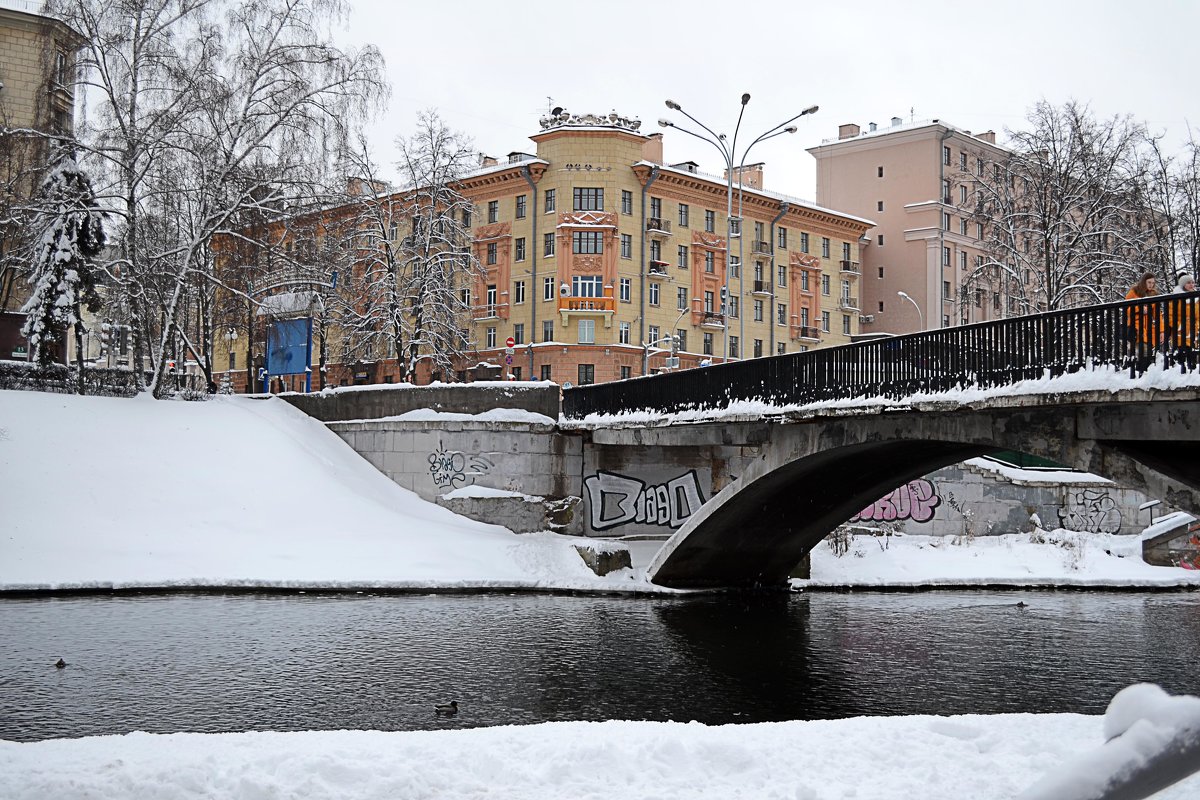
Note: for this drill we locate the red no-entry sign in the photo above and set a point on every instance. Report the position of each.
(510, 342)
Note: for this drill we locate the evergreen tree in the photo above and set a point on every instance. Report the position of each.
(63, 273)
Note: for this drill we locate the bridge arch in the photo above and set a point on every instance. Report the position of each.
(815, 474)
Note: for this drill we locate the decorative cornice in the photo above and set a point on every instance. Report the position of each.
(589, 219)
(565, 119)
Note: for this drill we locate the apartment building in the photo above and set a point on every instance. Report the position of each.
(601, 261)
(917, 180)
(37, 77)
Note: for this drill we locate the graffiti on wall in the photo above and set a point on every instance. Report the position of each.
(615, 500)
(1090, 511)
(451, 469)
(915, 500)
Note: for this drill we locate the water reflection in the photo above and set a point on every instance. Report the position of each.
(250, 662)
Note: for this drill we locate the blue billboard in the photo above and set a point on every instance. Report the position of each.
(289, 347)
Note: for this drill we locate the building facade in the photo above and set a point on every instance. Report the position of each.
(602, 262)
(919, 182)
(37, 101)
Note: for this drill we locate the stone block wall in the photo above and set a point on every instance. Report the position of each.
(375, 402)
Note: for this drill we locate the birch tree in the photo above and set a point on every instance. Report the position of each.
(64, 275)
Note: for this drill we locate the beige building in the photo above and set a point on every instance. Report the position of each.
(37, 77)
(917, 181)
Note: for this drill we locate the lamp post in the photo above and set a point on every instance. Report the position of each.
(920, 313)
(729, 153)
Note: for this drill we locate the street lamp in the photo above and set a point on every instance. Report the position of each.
(920, 313)
(729, 153)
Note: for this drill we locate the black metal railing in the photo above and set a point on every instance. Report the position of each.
(1129, 335)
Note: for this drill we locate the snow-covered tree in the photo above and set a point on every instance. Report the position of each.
(64, 273)
(1070, 221)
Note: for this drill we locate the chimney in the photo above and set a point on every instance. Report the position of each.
(871, 126)
(848, 131)
(652, 149)
(487, 161)
(896, 121)
(988, 136)
(751, 175)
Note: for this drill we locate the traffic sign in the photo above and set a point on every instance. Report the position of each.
(510, 342)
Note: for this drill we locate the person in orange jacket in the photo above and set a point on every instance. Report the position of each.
(1146, 321)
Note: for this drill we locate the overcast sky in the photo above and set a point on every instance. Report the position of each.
(492, 70)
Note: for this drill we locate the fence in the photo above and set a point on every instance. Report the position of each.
(104, 381)
(1130, 335)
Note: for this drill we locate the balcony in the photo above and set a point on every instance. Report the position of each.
(762, 248)
(658, 269)
(808, 332)
(587, 305)
(657, 226)
(712, 319)
(762, 287)
(489, 311)
(851, 268)
(848, 303)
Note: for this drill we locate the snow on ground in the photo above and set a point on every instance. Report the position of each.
(102, 492)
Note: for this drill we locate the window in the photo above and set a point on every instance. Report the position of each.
(758, 270)
(880, 306)
(781, 238)
(653, 294)
(946, 190)
(946, 155)
(655, 250)
(804, 279)
(735, 267)
(710, 221)
(962, 160)
(824, 247)
(516, 373)
(758, 348)
(656, 208)
(548, 244)
(945, 256)
(626, 289)
(626, 201)
(546, 372)
(781, 313)
(946, 294)
(962, 226)
(548, 288)
(681, 340)
(681, 256)
(945, 221)
(979, 166)
(590, 242)
(879, 206)
(979, 230)
(733, 306)
(549, 200)
(759, 234)
(881, 172)
(846, 251)
(781, 348)
(733, 347)
(626, 373)
(825, 285)
(491, 336)
(845, 324)
(587, 331)
(623, 333)
(547, 330)
(466, 217)
(491, 253)
(587, 374)
(589, 198)
(962, 259)
(464, 297)
(979, 298)
(945, 320)
(996, 301)
(653, 331)
(587, 286)
(710, 264)
(804, 317)
(781, 275)
(881, 272)
(825, 321)
(520, 249)
(708, 344)
(845, 288)
(521, 203)
(758, 310)
(493, 210)
(60, 68)
(491, 300)
(803, 242)
(519, 292)
(709, 297)
(683, 215)
(881, 240)
(681, 298)
(519, 333)
(962, 194)
(627, 245)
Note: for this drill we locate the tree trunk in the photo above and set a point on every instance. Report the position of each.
(79, 349)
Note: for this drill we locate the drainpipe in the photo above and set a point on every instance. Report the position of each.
(533, 251)
(642, 277)
(783, 209)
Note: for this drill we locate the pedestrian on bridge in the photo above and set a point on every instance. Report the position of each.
(1184, 316)
(1146, 322)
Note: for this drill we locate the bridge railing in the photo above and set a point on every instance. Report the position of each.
(1130, 335)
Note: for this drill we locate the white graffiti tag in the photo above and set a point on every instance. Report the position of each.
(619, 500)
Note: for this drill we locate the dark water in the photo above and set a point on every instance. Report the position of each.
(311, 662)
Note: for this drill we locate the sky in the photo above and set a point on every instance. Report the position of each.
(174, 497)
(491, 72)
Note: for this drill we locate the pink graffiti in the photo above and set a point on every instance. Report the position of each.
(915, 500)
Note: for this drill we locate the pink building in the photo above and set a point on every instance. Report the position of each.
(918, 182)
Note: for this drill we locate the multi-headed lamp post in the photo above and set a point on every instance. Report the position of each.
(729, 153)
